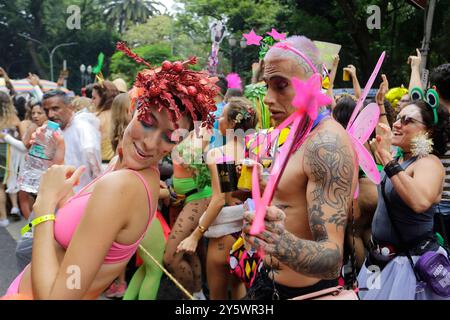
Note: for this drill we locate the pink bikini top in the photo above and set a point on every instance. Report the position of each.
(69, 216)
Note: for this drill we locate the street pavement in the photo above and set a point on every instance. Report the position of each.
(8, 265)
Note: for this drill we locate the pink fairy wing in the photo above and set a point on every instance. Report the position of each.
(366, 89)
(365, 123)
(366, 162)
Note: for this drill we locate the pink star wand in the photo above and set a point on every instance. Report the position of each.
(307, 100)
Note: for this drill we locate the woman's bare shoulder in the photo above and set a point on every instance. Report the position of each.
(429, 161)
(123, 185)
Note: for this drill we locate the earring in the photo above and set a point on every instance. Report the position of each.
(421, 145)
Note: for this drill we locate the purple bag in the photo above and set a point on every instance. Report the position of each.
(434, 269)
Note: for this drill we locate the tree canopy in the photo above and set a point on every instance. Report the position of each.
(185, 32)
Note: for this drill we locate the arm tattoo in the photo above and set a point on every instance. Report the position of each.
(317, 259)
(317, 223)
(331, 165)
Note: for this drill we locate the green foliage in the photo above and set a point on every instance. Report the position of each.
(344, 22)
(242, 15)
(187, 33)
(45, 21)
(127, 12)
(166, 30)
(155, 30)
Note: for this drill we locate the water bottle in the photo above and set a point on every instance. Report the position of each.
(39, 159)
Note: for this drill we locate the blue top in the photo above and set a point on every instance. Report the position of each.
(217, 138)
(411, 225)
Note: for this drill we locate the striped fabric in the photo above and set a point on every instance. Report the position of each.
(446, 162)
(23, 85)
(4, 162)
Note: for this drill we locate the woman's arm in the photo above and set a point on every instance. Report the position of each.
(421, 190)
(217, 200)
(35, 82)
(351, 69)
(414, 80)
(8, 82)
(13, 142)
(26, 138)
(424, 188)
(23, 127)
(332, 76)
(381, 93)
(215, 205)
(102, 221)
(44, 260)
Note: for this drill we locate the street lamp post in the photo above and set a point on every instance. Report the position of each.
(232, 42)
(82, 70)
(89, 71)
(85, 75)
(53, 52)
(427, 35)
(50, 53)
(243, 43)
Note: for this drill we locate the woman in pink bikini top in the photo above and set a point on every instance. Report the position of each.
(97, 231)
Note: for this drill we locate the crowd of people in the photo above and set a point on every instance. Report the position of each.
(128, 190)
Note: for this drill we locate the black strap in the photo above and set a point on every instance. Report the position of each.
(403, 246)
(193, 191)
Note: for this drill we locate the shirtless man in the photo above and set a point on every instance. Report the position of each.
(305, 226)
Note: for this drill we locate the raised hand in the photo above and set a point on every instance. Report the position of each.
(415, 61)
(274, 229)
(33, 79)
(335, 61)
(3, 74)
(384, 88)
(383, 143)
(351, 69)
(57, 182)
(188, 245)
(60, 145)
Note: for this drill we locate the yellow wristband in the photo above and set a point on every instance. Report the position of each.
(37, 221)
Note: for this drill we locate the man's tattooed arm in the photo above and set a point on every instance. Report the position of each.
(315, 259)
(330, 168)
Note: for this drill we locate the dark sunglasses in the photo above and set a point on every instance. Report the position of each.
(405, 120)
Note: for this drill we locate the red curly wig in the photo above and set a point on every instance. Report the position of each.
(173, 84)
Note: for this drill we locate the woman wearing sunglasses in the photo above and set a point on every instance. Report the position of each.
(412, 182)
